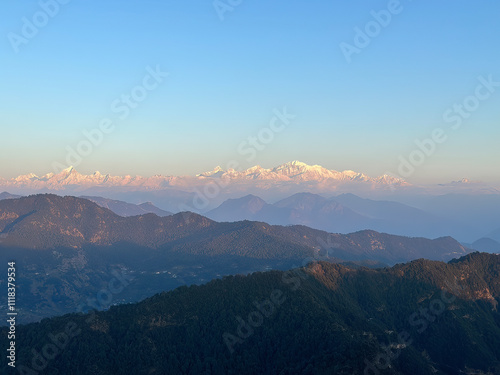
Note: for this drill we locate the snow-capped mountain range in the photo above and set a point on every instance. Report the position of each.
(298, 171)
(294, 171)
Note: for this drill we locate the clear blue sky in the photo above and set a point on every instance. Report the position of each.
(226, 77)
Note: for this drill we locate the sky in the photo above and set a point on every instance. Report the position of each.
(410, 88)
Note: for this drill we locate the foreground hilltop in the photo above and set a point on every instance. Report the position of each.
(423, 317)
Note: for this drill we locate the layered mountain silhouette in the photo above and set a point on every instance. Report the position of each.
(423, 317)
(48, 221)
(344, 213)
(68, 247)
(128, 209)
(6, 195)
(486, 244)
(300, 209)
(430, 211)
(494, 235)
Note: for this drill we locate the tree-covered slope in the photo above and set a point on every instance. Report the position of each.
(422, 317)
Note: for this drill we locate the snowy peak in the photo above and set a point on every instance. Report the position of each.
(303, 171)
(293, 172)
(26, 178)
(216, 172)
(295, 164)
(68, 170)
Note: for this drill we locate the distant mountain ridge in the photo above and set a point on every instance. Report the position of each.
(48, 221)
(467, 209)
(291, 171)
(128, 209)
(299, 209)
(340, 214)
(296, 170)
(494, 235)
(68, 247)
(6, 195)
(486, 244)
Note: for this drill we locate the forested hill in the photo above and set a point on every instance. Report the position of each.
(422, 317)
(47, 221)
(68, 248)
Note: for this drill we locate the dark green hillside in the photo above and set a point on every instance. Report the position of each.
(423, 317)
